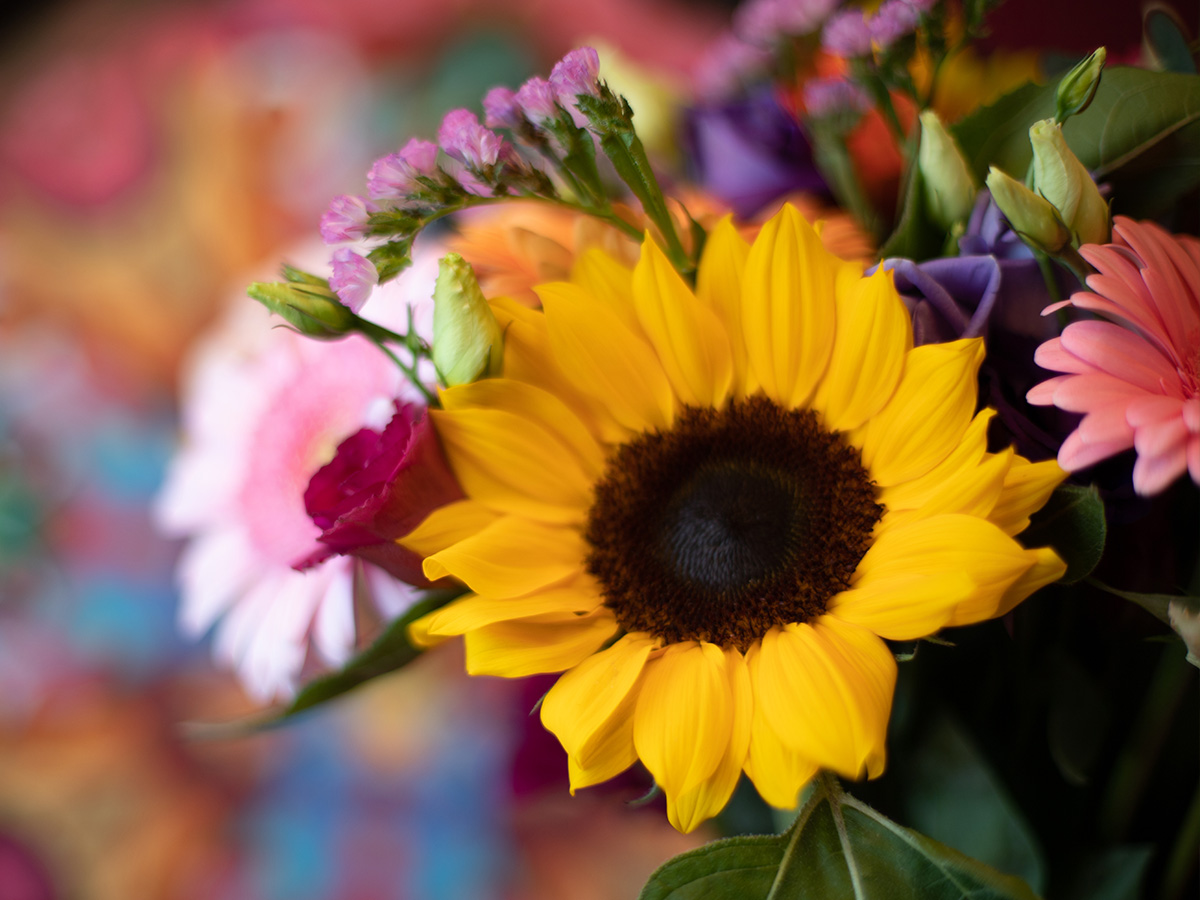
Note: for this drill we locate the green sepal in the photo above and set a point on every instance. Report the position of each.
(392, 258)
(1073, 523)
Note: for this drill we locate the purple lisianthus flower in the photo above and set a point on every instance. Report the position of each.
(379, 487)
(501, 110)
(537, 100)
(750, 151)
(994, 290)
(346, 219)
(395, 175)
(464, 139)
(354, 277)
(847, 34)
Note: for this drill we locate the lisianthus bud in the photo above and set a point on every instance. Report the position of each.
(1078, 87)
(1030, 215)
(467, 341)
(379, 487)
(354, 277)
(950, 187)
(311, 310)
(1060, 177)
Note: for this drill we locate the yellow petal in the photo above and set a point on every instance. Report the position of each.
(529, 358)
(613, 752)
(684, 716)
(686, 334)
(826, 690)
(719, 286)
(584, 700)
(927, 415)
(511, 557)
(691, 808)
(777, 771)
(903, 607)
(948, 544)
(418, 633)
(1046, 568)
(969, 451)
(607, 281)
(448, 525)
(580, 596)
(533, 646)
(972, 490)
(536, 405)
(603, 358)
(788, 307)
(1027, 487)
(509, 463)
(874, 335)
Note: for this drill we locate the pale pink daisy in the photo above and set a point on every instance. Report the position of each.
(263, 409)
(1135, 377)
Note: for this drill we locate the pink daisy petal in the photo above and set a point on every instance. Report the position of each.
(1043, 394)
(1121, 353)
(1161, 438)
(1190, 412)
(1193, 457)
(1051, 355)
(1152, 408)
(1074, 454)
(1153, 474)
(1106, 426)
(1085, 393)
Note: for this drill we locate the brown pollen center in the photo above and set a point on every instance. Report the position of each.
(729, 523)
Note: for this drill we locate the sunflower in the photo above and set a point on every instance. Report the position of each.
(709, 508)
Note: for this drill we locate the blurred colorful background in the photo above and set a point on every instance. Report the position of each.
(154, 158)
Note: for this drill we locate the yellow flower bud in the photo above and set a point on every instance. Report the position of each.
(950, 187)
(1060, 177)
(467, 341)
(1030, 215)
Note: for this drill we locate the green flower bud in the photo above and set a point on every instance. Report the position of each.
(308, 306)
(950, 187)
(1060, 177)
(1078, 87)
(467, 341)
(1030, 215)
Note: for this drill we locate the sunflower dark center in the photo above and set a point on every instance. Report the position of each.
(730, 522)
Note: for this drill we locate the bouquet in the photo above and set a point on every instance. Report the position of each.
(844, 479)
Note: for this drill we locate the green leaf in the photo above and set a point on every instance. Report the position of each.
(1114, 875)
(392, 650)
(952, 795)
(1166, 40)
(1072, 522)
(915, 236)
(837, 848)
(1133, 112)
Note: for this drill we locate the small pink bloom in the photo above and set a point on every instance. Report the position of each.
(847, 34)
(354, 277)
(346, 219)
(763, 22)
(1135, 377)
(501, 110)
(575, 74)
(464, 139)
(893, 20)
(538, 100)
(395, 175)
(829, 96)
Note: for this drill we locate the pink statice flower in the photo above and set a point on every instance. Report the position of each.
(354, 277)
(763, 22)
(825, 97)
(576, 74)
(464, 139)
(892, 21)
(395, 176)
(346, 219)
(538, 100)
(847, 34)
(501, 109)
(1135, 373)
(263, 409)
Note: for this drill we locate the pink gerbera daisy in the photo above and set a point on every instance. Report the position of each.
(1136, 377)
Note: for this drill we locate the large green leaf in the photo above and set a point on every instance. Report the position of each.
(837, 848)
(952, 795)
(1072, 522)
(1134, 112)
